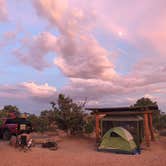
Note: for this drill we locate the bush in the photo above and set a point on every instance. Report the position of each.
(68, 115)
(1, 122)
(89, 127)
(163, 121)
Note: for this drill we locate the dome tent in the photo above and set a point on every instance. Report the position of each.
(118, 140)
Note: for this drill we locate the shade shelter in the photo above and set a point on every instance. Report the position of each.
(125, 112)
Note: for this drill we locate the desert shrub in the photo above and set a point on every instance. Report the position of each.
(163, 121)
(89, 124)
(1, 122)
(89, 127)
(69, 116)
(39, 124)
(9, 110)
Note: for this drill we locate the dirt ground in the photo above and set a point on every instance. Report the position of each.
(81, 152)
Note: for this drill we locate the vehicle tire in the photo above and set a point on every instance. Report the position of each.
(6, 135)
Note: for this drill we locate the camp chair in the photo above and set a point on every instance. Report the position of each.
(23, 141)
(24, 144)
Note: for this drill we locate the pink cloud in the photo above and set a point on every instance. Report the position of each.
(148, 71)
(8, 37)
(113, 93)
(76, 47)
(28, 96)
(68, 16)
(155, 33)
(56, 9)
(3, 11)
(39, 90)
(29, 90)
(83, 59)
(34, 51)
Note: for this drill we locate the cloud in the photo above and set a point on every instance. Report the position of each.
(3, 11)
(28, 96)
(33, 51)
(32, 88)
(88, 36)
(77, 48)
(39, 90)
(8, 37)
(68, 16)
(147, 72)
(77, 45)
(113, 93)
(29, 91)
(56, 9)
(83, 57)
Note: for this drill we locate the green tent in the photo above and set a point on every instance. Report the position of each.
(118, 140)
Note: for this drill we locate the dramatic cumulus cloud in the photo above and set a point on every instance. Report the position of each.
(87, 38)
(78, 45)
(69, 17)
(80, 55)
(3, 10)
(82, 58)
(34, 50)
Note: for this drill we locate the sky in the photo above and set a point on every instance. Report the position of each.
(108, 52)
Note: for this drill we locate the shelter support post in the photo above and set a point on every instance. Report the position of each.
(138, 136)
(151, 127)
(146, 127)
(97, 117)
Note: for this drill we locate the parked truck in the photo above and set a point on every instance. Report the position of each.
(13, 126)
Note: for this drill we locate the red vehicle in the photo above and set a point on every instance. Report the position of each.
(13, 126)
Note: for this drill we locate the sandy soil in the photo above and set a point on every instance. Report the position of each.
(81, 152)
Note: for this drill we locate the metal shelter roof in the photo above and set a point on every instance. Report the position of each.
(122, 109)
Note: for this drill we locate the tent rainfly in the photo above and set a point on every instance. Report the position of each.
(118, 140)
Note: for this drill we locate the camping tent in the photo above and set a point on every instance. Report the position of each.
(132, 123)
(118, 140)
